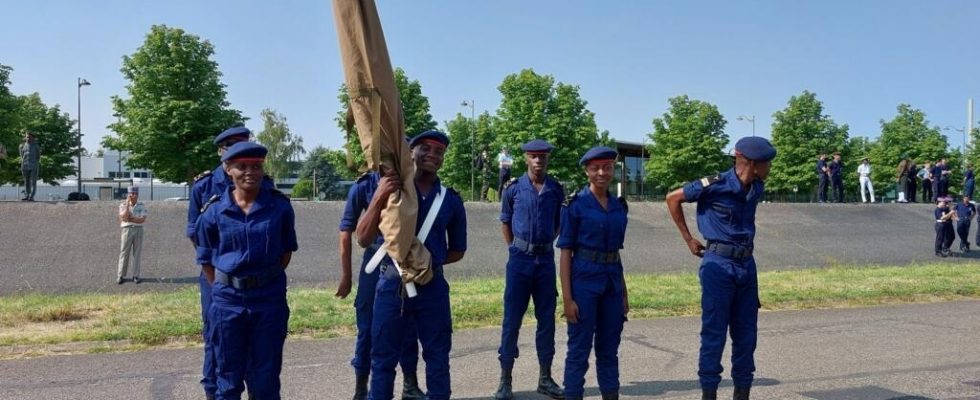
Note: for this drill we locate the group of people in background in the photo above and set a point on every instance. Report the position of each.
(933, 178)
(962, 213)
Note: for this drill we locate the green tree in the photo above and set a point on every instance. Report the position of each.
(536, 107)
(459, 163)
(303, 189)
(907, 135)
(282, 144)
(319, 166)
(972, 152)
(176, 105)
(9, 136)
(687, 143)
(415, 107)
(55, 137)
(800, 132)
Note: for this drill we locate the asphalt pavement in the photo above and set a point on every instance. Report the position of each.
(907, 352)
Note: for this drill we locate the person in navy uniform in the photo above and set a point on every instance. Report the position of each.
(938, 180)
(530, 212)
(822, 178)
(429, 310)
(944, 226)
(925, 175)
(965, 211)
(836, 179)
(208, 188)
(969, 181)
(596, 302)
(358, 198)
(726, 206)
(244, 243)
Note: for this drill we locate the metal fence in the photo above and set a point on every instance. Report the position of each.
(114, 191)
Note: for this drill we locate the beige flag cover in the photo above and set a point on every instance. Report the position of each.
(377, 112)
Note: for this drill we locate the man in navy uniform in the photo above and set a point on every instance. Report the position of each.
(726, 206)
(530, 212)
(358, 198)
(822, 177)
(208, 188)
(965, 211)
(836, 178)
(429, 310)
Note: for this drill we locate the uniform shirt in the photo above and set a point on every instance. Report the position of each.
(358, 199)
(726, 212)
(939, 213)
(968, 175)
(246, 244)
(965, 211)
(835, 168)
(533, 216)
(937, 172)
(821, 164)
(217, 183)
(864, 170)
(586, 225)
(137, 210)
(30, 154)
(448, 232)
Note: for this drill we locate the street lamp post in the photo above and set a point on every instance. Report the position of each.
(751, 119)
(472, 105)
(963, 131)
(78, 152)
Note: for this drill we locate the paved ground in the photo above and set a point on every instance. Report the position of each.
(61, 246)
(886, 353)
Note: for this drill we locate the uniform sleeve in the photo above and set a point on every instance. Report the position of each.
(348, 221)
(193, 210)
(693, 191)
(289, 242)
(561, 197)
(457, 226)
(507, 204)
(569, 228)
(207, 237)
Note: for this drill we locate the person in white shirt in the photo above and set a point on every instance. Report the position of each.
(504, 161)
(132, 215)
(864, 174)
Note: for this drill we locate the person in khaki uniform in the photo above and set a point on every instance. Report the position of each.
(132, 215)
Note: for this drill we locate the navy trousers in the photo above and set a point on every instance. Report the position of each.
(208, 379)
(528, 277)
(822, 188)
(963, 229)
(364, 315)
(729, 305)
(430, 312)
(600, 321)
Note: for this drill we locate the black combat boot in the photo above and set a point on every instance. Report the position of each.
(546, 385)
(709, 394)
(741, 393)
(209, 396)
(410, 387)
(360, 387)
(610, 396)
(504, 391)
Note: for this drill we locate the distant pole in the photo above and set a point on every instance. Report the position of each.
(969, 122)
(751, 119)
(472, 105)
(78, 153)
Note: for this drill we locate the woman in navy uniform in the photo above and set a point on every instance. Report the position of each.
(729, 284)
(593, 227)
(245, 242)
(429, 311)
(358, 199)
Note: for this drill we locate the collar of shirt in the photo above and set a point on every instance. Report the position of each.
(612, 202)
(227, 204)
(547, 186)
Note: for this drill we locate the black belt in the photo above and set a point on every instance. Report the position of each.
(525, 247)
(248, 282)
(598, 256)
(729, 250)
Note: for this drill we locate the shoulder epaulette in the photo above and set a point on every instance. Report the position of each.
(622, 200)
(710, 180)
(212, 200)
(569, 199)
(202, 175)
(508, 183)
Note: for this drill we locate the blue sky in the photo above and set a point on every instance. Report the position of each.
(862, 58)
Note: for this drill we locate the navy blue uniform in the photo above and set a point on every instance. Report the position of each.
(533, 218)
(729, 285)
(937, 183)
(969, 183)
(358, 199)
(944, 231)
(595, 235)
(429, 310)
(248, 313)
(822, 181)
(964, 213)
(837, 181)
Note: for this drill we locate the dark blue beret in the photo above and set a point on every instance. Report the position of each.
(245, 151)
(598, 153)
(755, 148)
(429, 135)
(232, 132)
(537, 146)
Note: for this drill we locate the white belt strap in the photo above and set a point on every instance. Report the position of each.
(430, 219)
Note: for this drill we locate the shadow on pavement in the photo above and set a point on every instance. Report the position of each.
(649, 389)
